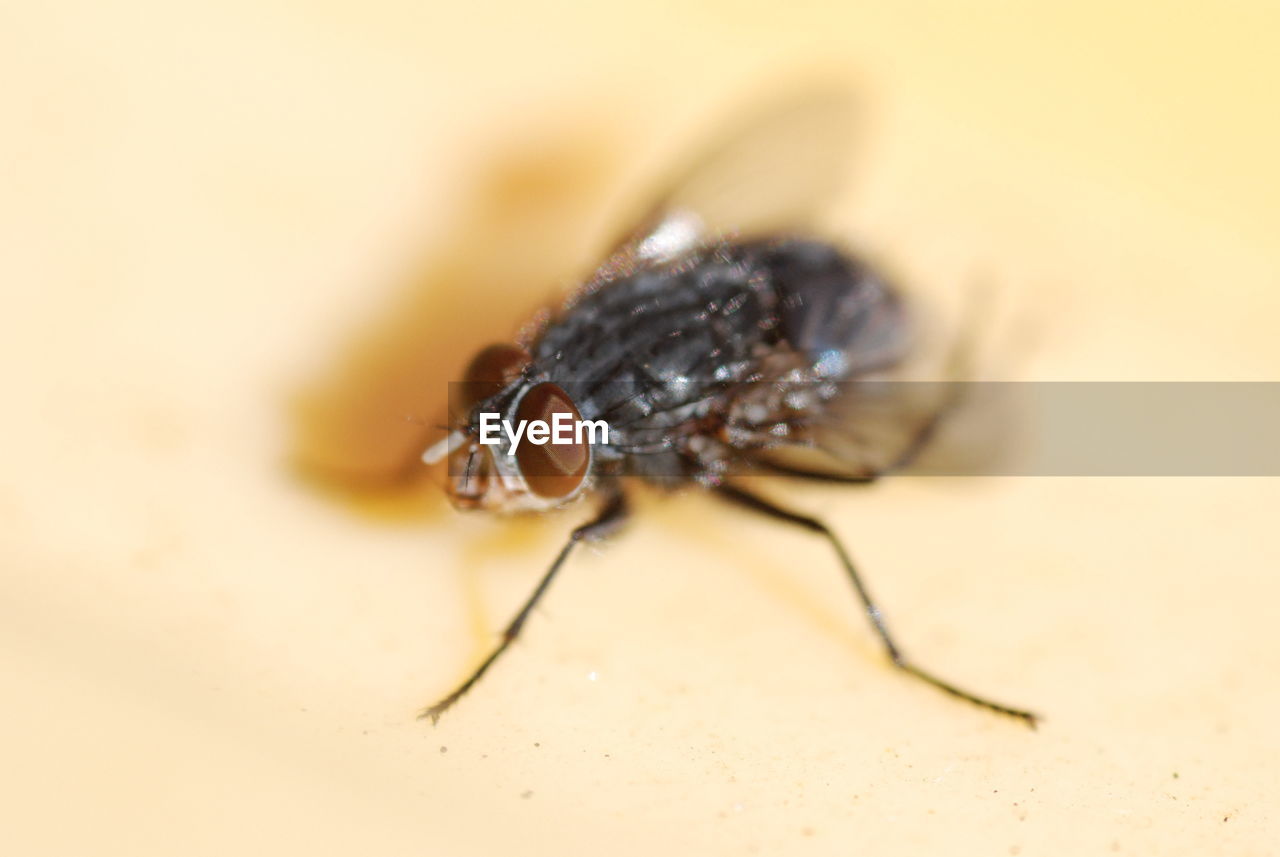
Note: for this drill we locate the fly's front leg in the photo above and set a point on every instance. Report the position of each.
(759, 504)
(611, 516)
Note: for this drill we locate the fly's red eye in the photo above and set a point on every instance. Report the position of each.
(552, 470)
(490, 370)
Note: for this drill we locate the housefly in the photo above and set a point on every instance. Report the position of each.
(720, 338)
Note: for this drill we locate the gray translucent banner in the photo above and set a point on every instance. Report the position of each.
(1111, 429)
(947, 429)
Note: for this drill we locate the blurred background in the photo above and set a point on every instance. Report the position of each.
(243, 246)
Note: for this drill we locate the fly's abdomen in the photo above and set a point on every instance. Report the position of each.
(835, 310)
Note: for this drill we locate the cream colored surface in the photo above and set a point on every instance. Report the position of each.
(236, 237)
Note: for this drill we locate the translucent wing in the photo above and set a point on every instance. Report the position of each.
(874, 426)
(773, 170)
(771, 173)
(919, 415)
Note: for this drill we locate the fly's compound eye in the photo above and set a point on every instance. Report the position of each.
(552, 470)
(493, 368)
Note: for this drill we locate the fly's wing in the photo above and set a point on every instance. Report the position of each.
(769, 174)
(871, 427)
(876, 427)
(892, 418)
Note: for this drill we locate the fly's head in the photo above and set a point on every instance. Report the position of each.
(499, 457)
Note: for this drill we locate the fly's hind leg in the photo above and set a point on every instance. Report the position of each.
(756, 503)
